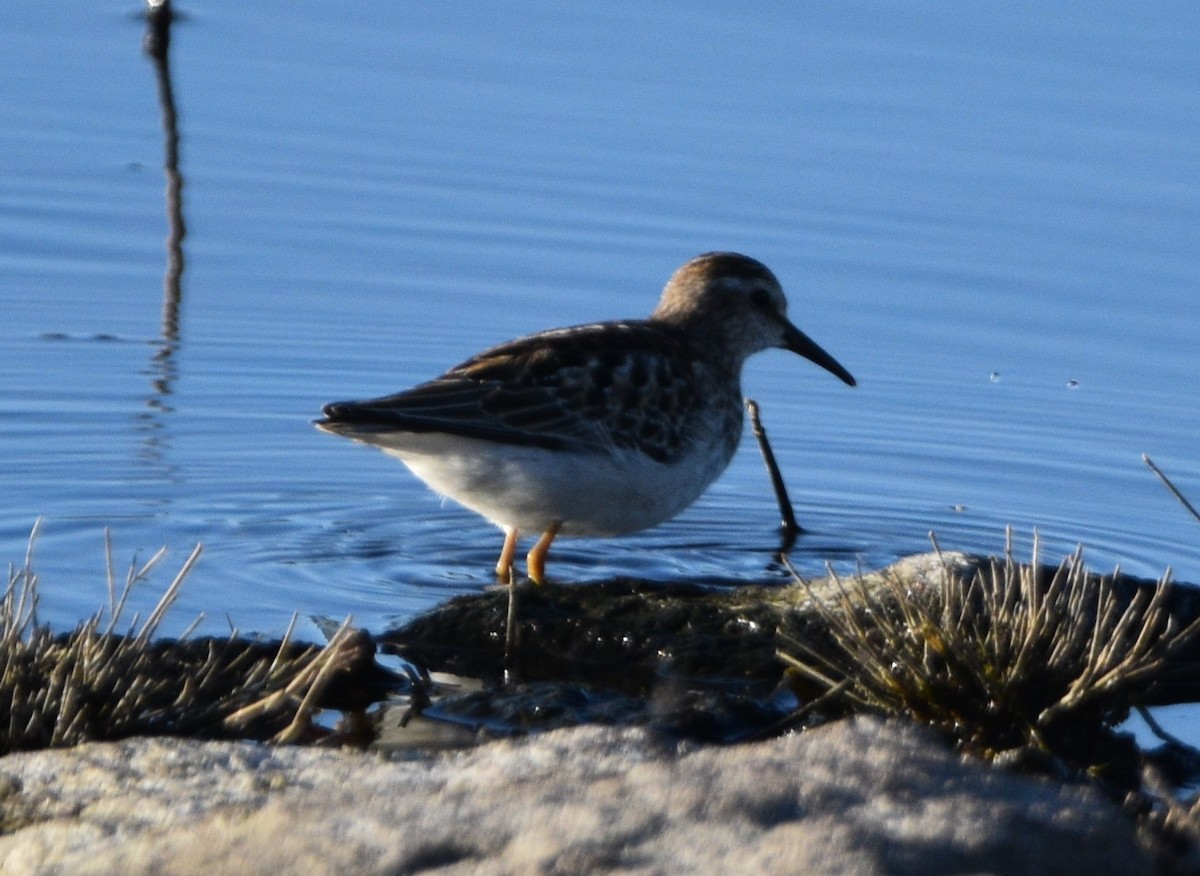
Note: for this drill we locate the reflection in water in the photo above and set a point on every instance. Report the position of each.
(157, 43)
(163, 366)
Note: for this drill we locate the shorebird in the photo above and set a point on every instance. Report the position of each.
(593, 430)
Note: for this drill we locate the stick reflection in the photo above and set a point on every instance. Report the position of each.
(157, 44)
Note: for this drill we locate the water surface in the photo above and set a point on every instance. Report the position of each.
(990, 215)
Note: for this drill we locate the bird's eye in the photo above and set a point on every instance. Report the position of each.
(760, 298)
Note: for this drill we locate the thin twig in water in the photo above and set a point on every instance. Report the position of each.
(1170, 486)
(789, 526)
(796, 718)
(1157, 729)
(510, 632)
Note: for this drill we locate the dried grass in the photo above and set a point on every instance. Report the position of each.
(1016, 656)
(97, 683)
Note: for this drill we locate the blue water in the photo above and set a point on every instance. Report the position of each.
(990, 214)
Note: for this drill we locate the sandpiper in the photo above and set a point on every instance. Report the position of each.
(593, 430)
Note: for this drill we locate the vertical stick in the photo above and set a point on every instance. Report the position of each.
(1170, 486)
(510, 632)
(789, 526)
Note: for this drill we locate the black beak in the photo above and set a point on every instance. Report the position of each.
(798, 342)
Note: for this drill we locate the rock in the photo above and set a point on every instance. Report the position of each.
(859, 796)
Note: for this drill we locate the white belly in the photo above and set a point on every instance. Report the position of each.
(531, 488)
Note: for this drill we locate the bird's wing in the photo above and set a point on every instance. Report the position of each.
(596, 387)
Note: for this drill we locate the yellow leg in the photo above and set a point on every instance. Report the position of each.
(505, 563)
(536, 561)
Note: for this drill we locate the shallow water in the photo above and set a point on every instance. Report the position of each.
(990, 216)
